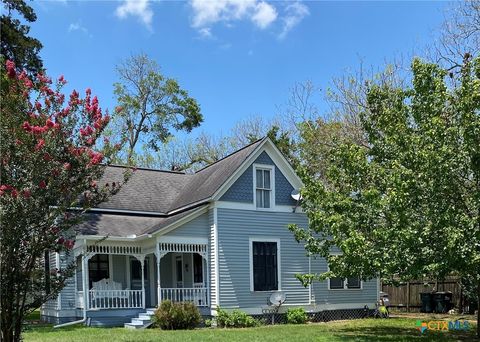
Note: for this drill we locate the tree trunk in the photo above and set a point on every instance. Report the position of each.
(478, 308)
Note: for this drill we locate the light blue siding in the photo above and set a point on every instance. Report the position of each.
(242, 189)
(366, 296)
(198, 227)
(235, 227)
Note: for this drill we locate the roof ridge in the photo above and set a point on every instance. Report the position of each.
(147, 169)
(229, 155)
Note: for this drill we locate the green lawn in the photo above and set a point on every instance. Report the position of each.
(394, 329)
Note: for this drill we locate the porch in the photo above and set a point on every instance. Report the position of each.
(118, 276)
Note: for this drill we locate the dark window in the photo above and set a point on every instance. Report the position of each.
(197, 268)
(136, 269)
(98, 268)
(178, 261)
(265, 274)
(336, 283)
(353, 283)
(47, 272)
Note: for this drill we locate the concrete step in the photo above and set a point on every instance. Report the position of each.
(133, 325)
(151, 311)
(145, 317)
(141, 320)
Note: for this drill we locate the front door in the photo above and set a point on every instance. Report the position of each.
(136, 278)
(198, 270)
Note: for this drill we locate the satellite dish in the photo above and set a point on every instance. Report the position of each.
(277, 298)
(296, 195)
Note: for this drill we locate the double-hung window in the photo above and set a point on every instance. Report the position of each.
(338, 283)
(264, 261)
(263, 187)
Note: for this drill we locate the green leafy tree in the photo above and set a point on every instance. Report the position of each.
(407, 203)
(49, 161)
(150, 105)
(16, 45)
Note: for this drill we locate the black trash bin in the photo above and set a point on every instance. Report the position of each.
(427, 302)
(442, 301)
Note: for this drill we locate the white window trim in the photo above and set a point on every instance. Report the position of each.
(279, 260)
(271, 168)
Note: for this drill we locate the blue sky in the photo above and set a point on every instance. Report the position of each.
(237, 58)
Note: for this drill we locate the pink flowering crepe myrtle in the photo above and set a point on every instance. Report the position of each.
(52, 152)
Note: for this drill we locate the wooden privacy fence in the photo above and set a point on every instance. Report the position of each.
(407, 295)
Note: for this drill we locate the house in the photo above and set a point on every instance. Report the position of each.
(217, 237)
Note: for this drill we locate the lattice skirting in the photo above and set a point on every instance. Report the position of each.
(321, 316)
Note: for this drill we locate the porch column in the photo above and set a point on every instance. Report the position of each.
(159, 288)
(85, 280)
(207, 279)
(142, 263)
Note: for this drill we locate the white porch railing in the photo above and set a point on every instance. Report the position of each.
(114, 299)
(199, 296)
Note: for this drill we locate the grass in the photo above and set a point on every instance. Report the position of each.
(400, 328)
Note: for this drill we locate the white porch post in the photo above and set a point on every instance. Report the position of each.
(159, 288)
(85, 279)
(207, 280)
(142, 263)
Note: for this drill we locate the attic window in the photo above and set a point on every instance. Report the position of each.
(264, 185)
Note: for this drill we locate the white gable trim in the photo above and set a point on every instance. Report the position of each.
(278, 159)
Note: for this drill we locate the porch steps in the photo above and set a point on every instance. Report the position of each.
(144, 320)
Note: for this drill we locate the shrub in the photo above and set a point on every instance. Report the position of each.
(296, 316)
(173, 316)
(235, 319)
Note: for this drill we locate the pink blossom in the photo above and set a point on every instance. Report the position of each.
(10, 69)
(61, 240)
(27, 127)
(47, 157)
(39, 144)
(88, 91)
(49, 123)
(28, 83)
(14, 193)
(67, 166)
(42, 185)
(69, 244)
(62, 80)
(26, 193)
(38, 129)
(95, 158)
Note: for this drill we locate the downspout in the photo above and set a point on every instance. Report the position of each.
(85, 297)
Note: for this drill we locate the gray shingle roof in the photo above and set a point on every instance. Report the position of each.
(158, 193)
(124, 225)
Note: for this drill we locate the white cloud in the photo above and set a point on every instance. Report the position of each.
(207, 13)
(77, 27)
(264, 15)
(137, 8)
(295, 12)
